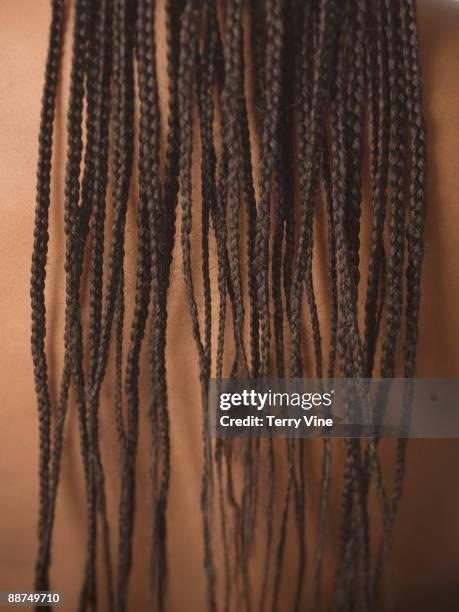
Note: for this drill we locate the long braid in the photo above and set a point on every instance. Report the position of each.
(379, 105)
(122, 167)
(348, 339)
(150, 192)
(209, 203)
(186, 76)
(416, 221)
(309, 160)
(305, 72)
(415, 249)
(73, 268)
(397, 222)
(93, 197)
(355, 98)
(37, 291)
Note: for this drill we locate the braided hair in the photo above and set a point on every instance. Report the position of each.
(334, 91)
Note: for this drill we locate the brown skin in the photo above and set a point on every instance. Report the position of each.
(427, 538)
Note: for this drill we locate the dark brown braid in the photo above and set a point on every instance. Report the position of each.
(37, 291)
(73, 268)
